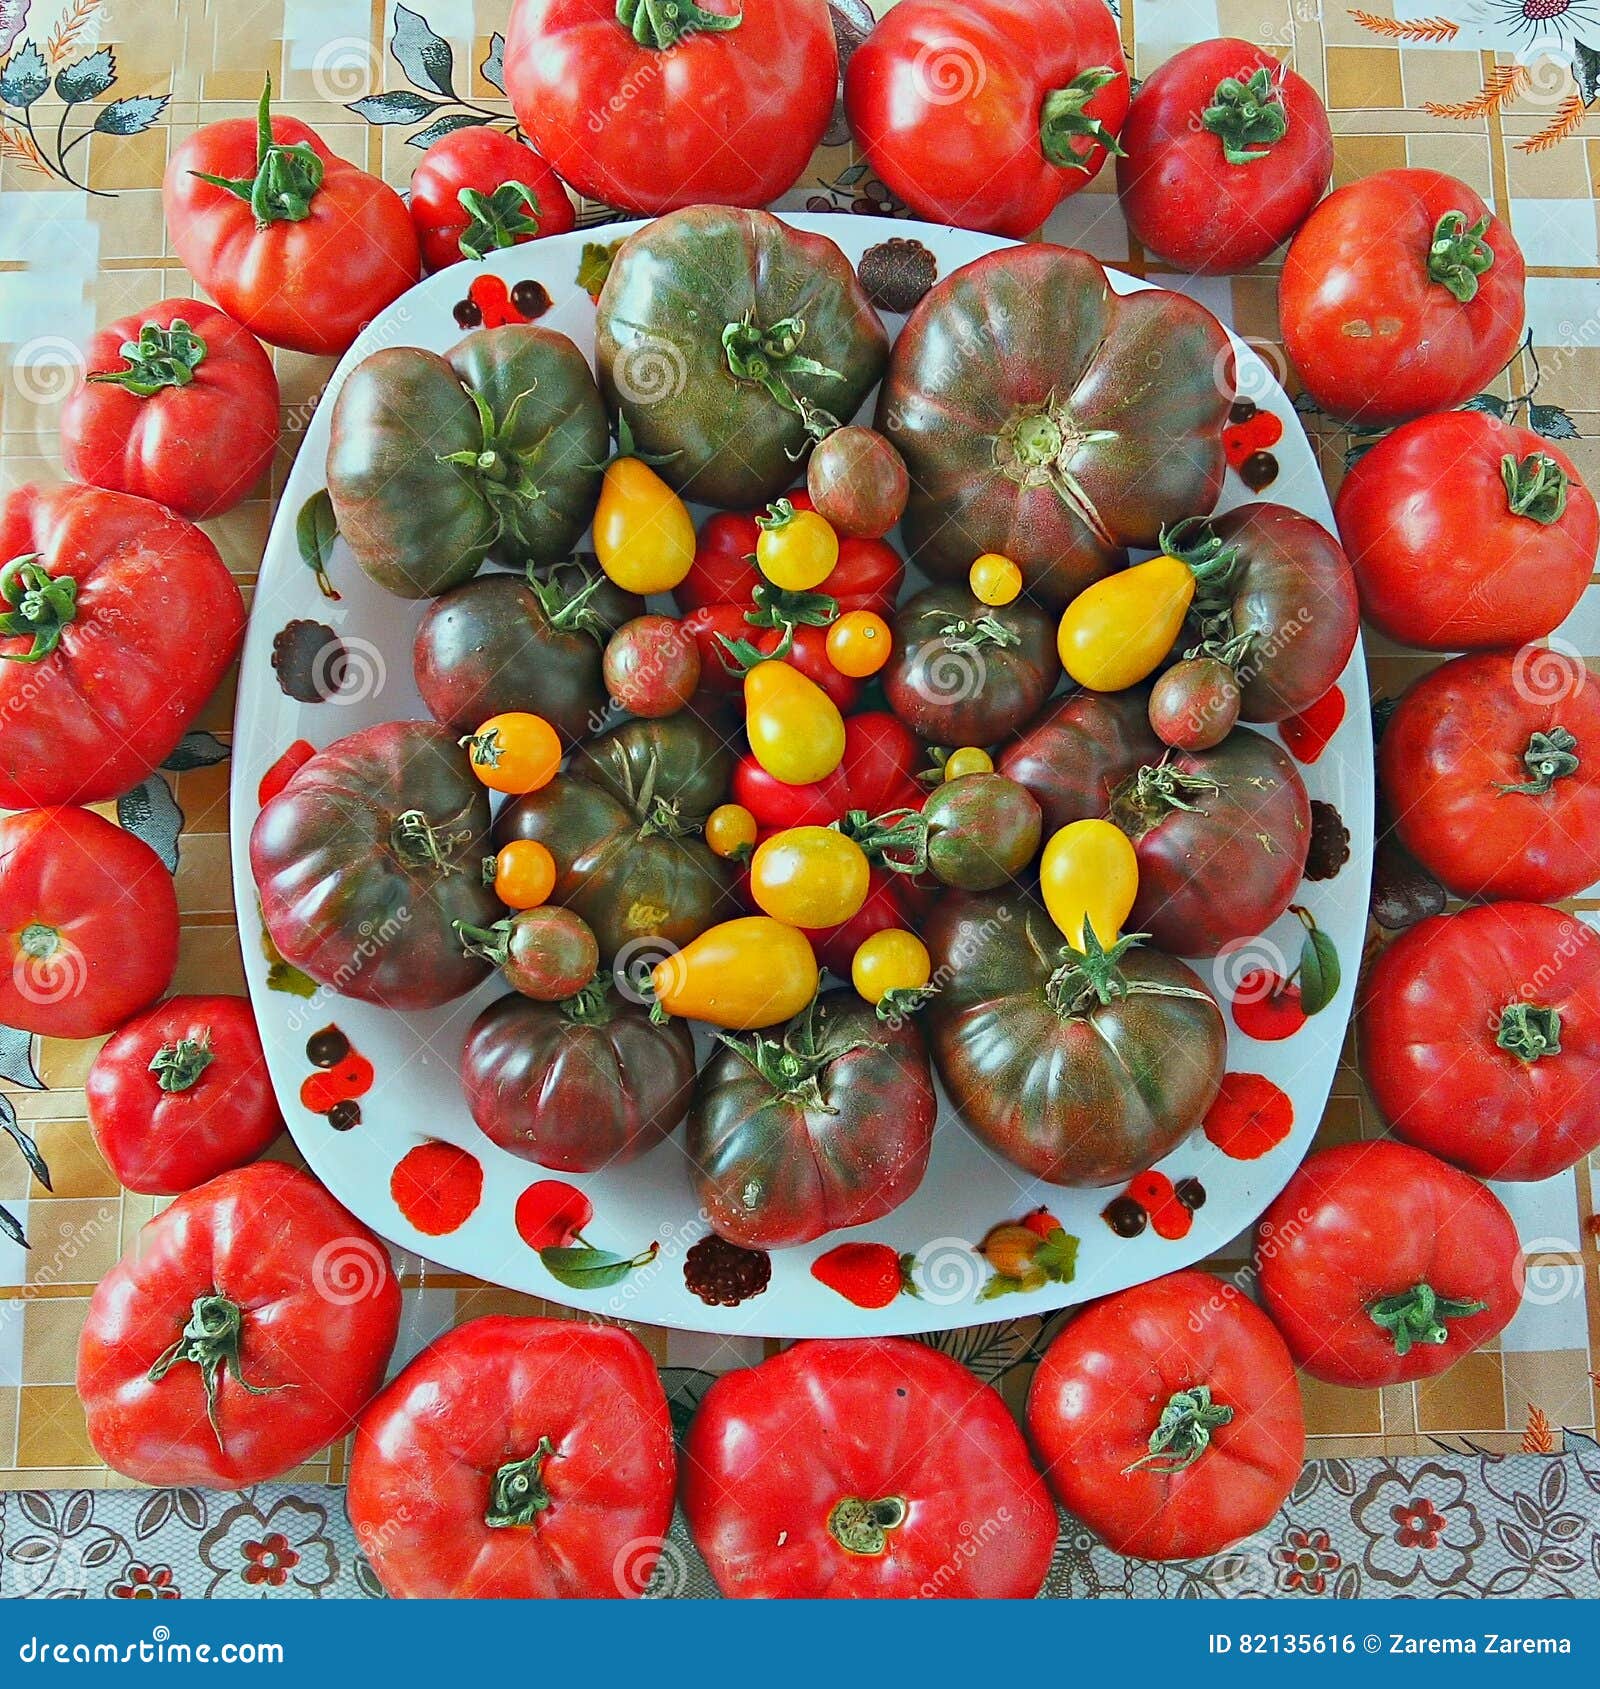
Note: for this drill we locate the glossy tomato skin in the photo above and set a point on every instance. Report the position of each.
(1079, 749)
(156, 622)
(482, 159)
(1102, 1385)
(1292, 591)
(876, 773)
(1372, 336)
(577, 1086)
(356, 896)
(272, 1242)
(1361, 1222)
(1182, 197)
(1433, 1013)
(776, 1448)
(773, 1166)
(310, 285)
(951, 683)
(492, 645)
(89, 922)
(946, 101)
(1441, 558)
(488, 1396)
(1076, 1093)
(1225, 860)
(721, 117)
(418, 524)
(197, 448)
(630, 884)
(1454, 744)
(1053, 450)
(682, 314)
(160, 1140)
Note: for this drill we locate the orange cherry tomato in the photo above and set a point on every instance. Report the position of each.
(515, 752)
(859, 643)
(730, 830)
(524, 874)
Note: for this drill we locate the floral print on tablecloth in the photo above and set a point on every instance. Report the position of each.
(1455, 1525)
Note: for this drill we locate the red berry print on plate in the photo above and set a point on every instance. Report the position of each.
(1267, 1007)
(870, 1275)
(1307, 734)
(1158, 1196)
(437, 1187)
(491, 304)
(284, 770)
(342, 1075)
(1250, 1116)
(552, 1214)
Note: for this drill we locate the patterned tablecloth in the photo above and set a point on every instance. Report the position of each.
(94, 95)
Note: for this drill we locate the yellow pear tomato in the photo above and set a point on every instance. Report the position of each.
(643, 534)
(1089, 874)
(740, 975)
(809, 876)
(796, 732)
(1115, 632)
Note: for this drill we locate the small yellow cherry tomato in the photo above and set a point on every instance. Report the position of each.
(859, 643)
(1115, 632)
(809, 876)
(796, 732)
(739, 975)
(643, 534)
(524, 874)
(1089, 875)
(797, 548)
(730, 830)
(891, 960)
(515, 752)
(995, 579)
(968, 759)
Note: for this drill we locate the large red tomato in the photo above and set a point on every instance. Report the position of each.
(988, 113)
(118, 621)
(88, 923)
(246, 1332)
(1480, 1038)
(1167, 1417)
(1224, 152)
(297, 244)
(182, 1094)
(1402, 293)
(649, 107)
(870, 1468)
(517, 1459)
(1380, 1265)
(1465, 531)
(1491, 767)
(178, 404)
(477, 190)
